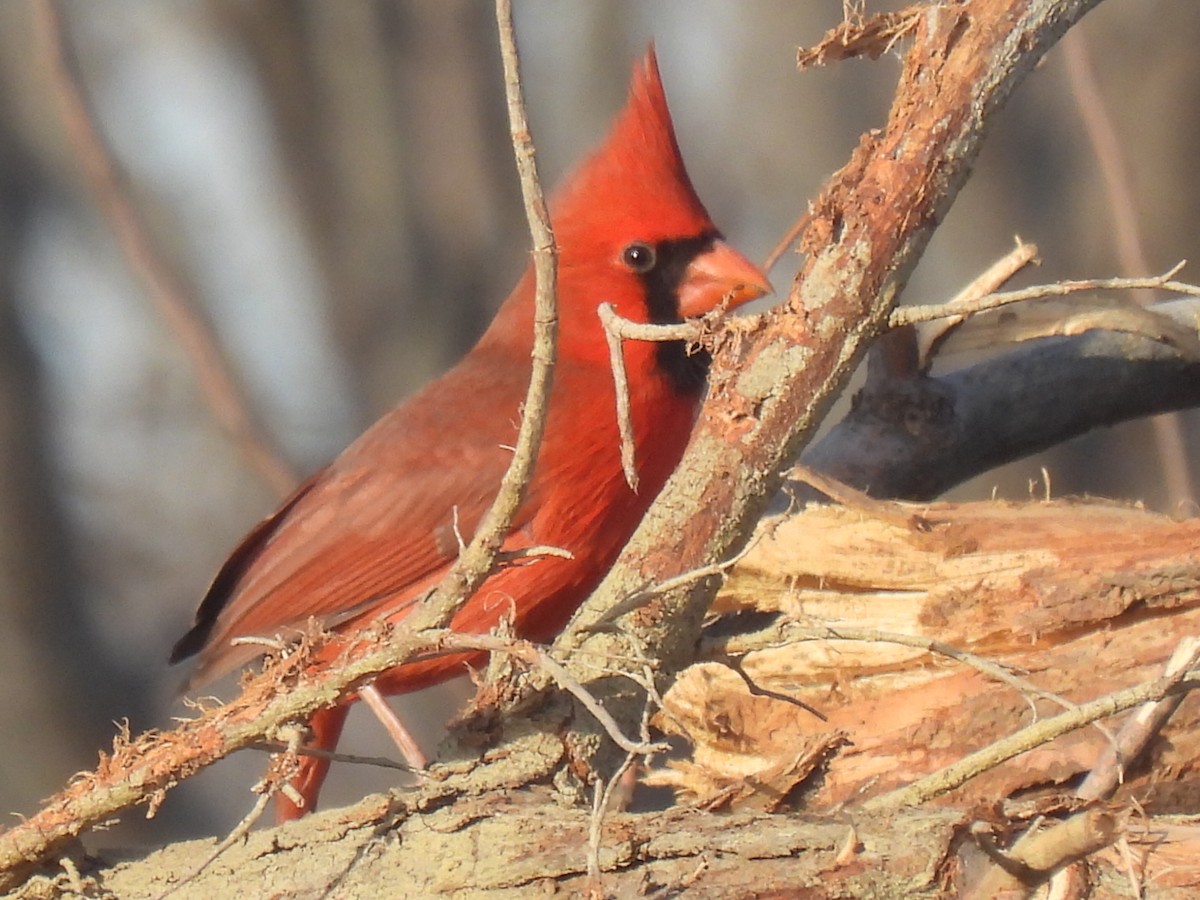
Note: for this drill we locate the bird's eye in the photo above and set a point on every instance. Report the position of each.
(638, 257)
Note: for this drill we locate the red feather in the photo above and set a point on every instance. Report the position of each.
(375, 528)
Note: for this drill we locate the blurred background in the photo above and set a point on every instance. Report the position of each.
(334, 184)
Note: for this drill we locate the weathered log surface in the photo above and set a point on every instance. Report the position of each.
(527, 845)
(1078, 598)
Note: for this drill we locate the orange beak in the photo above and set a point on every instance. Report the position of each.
(722, 275)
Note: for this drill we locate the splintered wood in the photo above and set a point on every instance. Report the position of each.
(1062, 602)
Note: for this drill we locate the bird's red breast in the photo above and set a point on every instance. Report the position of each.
(381, 523)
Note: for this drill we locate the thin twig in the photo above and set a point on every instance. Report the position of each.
(476, 562)
(538, 551)
(639, 598)
(786, 241)
(998, 273)
(617, 330)
(602, 800)
(1114, 167)
(381, 762)
(536, 656)
(1139, 729)
(958, 773)
(909, 315)
(266, 789)
(845, 495)
(225, 399)
(987, 282)
(394, 726)
(736, 665)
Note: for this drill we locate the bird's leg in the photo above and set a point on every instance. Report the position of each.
(388, 718)
(325, 728)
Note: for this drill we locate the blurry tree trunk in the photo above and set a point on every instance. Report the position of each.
(38, 590)
(407, 221)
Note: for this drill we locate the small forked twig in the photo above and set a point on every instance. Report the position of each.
(1138, 730)
(266, 789)
(796, 632)
(910, 315)
(535, 655)
(616, 330)
(639, 598)
(602, 798)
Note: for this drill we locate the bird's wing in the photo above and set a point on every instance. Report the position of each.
(375, 527)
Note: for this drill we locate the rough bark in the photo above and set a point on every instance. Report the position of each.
(1074, 599)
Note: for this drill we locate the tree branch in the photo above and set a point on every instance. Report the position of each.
(475, 562)
(773, 382)
(915, 438)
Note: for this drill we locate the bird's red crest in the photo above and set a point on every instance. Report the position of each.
(635, 182)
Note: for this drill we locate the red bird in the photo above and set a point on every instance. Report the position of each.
(379, 525)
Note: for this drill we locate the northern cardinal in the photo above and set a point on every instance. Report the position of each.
(363, 537)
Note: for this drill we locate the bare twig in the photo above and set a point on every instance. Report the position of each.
(536, 656)
(840, 492)
(265, 789)
(735, 665)
(538, 551)
(795, 632)
(786, 241)
(998, 273)
(909, 315)
(475, 563)
(1114, 167)
(952, 776)
(1041, 852)
(639, 598)
(394, 726)
(1139, 729)
(381, 762)
(987, 282)
(616, 330)
(223, 396)
(602, 799)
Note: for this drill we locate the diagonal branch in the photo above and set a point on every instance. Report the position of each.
(475, 562)
(773, 381)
